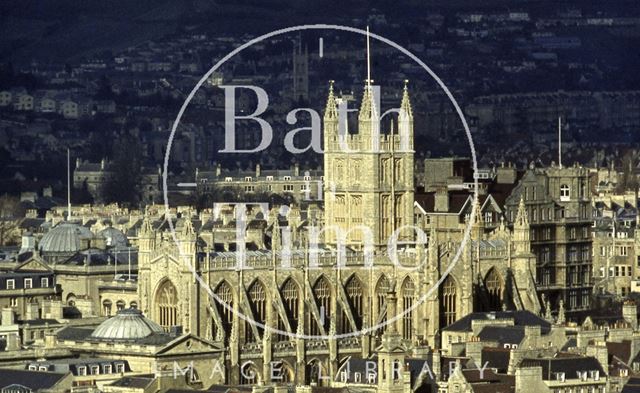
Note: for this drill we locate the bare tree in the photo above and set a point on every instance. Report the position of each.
(10, 214)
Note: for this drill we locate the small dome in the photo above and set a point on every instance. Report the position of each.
(114, 237)
(64, 238)
(127, 324)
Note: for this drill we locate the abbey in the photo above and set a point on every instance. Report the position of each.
(343, 305)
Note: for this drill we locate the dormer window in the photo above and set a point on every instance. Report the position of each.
(248, 179)
(560, 377)
(228, 179)
(11, 283)
(595, 375)
(286, 178)
(82, 370)
(120, 368)
(28, 283)
(269, 178)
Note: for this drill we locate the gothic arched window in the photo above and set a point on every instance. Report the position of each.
(354, 294)
(322, 293)
(258, 302)
(290, 295)
(448, 302)
(493, 284)
(381, 296)
(408, 297)
(167, 305)
(223, 292)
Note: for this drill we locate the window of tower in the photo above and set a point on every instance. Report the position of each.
(493, 284)
(167, 305)
(448, 302)
(565, 192)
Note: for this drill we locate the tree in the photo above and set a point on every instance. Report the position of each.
(10, 213)
(123, 182)
(629, 179)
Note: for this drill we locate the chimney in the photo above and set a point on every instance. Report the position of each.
(218, 169)
(28, 243)
(47, 192)
(13, 341)
(7, 316)
(630, 313)
(176, 331)
(78, 162)
(50, 340)
(32, 312)
(441, 199)
(258, 170)
(52, 309)
(102, 164)
(296, 169)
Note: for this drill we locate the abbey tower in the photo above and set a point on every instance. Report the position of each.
(368, 175)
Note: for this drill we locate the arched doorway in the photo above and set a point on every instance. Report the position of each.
(166, 305)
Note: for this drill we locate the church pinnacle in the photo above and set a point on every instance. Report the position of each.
(331, 111)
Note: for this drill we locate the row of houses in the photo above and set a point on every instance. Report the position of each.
(69, 105)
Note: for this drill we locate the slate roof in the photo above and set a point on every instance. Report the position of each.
(520, 317)
(139, 382)
(632, 385)
(498, 358)
(502, 334)
(568, 365)
(34, 380)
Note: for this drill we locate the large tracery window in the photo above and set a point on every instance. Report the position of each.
(381, 297)
(223, 292)
(322, 292)
(408, 297)
(290, 295)
(493, 284)
(258, 301)
(167, 305)
(354, 295)
(448, 302)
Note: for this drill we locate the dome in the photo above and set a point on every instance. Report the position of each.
(114, 237)
(64, 238)
(127, 324)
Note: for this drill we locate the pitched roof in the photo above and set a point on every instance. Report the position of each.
(520, 317)
(34, 380)
(567, 365)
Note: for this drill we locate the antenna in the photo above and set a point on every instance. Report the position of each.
(368, 61)
(560, 141)
(68, 185)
